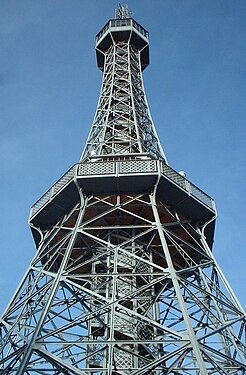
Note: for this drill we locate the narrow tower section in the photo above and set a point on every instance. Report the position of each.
(122, 126)
(124, 281)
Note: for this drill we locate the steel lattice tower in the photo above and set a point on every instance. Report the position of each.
(123, 280)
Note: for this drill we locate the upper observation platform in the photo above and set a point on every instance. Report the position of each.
(119, 30)
(123, 177)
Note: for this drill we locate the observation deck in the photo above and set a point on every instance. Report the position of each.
(122, 30)
(123, 177)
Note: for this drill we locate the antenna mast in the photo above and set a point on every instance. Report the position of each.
(122, 12)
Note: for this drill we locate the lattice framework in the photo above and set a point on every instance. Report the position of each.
(119, 285)
(124, 281)
(122, 124)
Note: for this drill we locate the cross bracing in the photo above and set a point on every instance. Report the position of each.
(102, 286)
(122, 124)
(124, 281)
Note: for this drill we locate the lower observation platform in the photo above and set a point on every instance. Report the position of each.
(122, 177)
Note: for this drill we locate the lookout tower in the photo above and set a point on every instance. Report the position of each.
(124, 281)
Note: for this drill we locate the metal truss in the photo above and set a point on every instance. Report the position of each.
(123, 281)
(123, 284)
(122, 124)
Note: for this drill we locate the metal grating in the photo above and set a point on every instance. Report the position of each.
(124, 287)
(63, 181)
(67, 177)
(124, 325)
(101, 168)
(41, 202)
(144, 332)
(125, 259)
(123, 359)
(174, 176)
(201, 196)
(188, 186)
(137, 166)
(142, 267)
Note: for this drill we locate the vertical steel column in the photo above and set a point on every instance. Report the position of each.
(175, 281)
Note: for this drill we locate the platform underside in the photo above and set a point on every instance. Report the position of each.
(125, 177)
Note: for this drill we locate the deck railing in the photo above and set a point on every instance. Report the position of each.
(123, 167)
(121, 23)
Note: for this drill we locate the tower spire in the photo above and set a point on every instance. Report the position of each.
(122, 12)
(124, 280)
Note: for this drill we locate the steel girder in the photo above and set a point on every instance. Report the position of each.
(123, 284)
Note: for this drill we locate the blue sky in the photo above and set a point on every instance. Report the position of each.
(49, 87)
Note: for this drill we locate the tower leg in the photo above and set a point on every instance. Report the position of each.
(123, 284)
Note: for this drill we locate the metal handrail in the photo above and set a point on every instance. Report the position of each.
(121, 23)
(123, 167)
